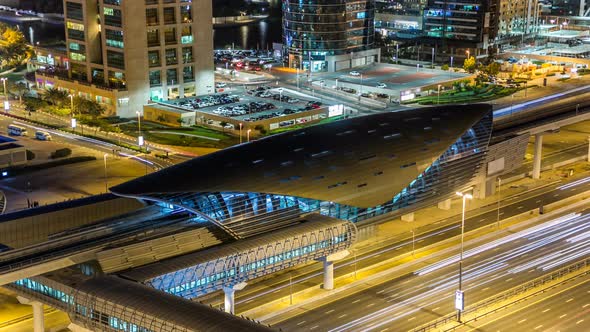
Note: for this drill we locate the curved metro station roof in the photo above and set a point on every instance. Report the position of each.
(361, 161)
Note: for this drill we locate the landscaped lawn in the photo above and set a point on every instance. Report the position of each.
(488, 92)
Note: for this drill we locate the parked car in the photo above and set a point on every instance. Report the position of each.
(354, 73)
(381, 85)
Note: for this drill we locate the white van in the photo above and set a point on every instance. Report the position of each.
(43, 136)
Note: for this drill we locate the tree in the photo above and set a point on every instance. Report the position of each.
(223, 124)
(493, 68)
(87, 107)
(19, 89)
(469, 64)
(55, 97)
(32, 104)
(13, 46)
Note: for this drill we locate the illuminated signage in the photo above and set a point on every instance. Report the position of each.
(459, 300)
(335, 110)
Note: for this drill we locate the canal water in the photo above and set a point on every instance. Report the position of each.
(260, 34)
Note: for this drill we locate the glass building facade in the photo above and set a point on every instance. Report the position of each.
(315, 29)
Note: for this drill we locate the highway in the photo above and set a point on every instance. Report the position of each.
(400, 304)
(566, 308)
(303, 277)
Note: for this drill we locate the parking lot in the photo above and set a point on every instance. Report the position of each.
(248, 104)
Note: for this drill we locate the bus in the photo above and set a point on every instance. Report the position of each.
(17, 130)
(43, 136)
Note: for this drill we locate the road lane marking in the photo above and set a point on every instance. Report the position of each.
(483, 219)
(520, 207)
(485, 288)
(409, 319)
(578, 322)
(507, 280)
(278, 290)
(560, 317)
(385, 329)
(522, 321)
(330, 311)
(538, 327)
(546, 310)
(539, 201)
(435, 309)
(356, 301)
(585, 305)
(342, 316)
(370, 305)
(301, 322)
(570, 300)
(314, 327)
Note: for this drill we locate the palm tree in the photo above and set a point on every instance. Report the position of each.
(55, 96)
(19, 89)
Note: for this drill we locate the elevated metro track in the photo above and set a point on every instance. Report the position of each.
(568, 107)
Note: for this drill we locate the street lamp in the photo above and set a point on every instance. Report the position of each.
(438, 96)
(3, 79)
(248, 134)
(240, 133)
(106, 186)
(460, 306)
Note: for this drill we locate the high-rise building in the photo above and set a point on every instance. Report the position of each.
(517, 17)
(124, 53)
(570, 7)
(465, 24)
(330, 35)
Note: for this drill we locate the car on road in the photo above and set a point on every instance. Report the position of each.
(381, 85)
(220, 85)
(354, 73)
(43, 136)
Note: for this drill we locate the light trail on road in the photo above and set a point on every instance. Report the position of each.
(489, 269)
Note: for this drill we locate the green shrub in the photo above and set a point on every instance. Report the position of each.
(444, 67)
(60, 153)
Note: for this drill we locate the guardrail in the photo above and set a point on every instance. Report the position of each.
(540, 281)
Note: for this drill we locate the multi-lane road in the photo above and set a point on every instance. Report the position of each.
(280, 286)
(566, 308)
(402, 303)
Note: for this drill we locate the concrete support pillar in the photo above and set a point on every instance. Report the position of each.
(38, 314)
(328, 274)
(445, 205)
(538, 156)
(408, 217)
(229, 299)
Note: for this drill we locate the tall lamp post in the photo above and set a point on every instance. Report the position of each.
(248, 134)
(106, 186)
(438, 95)
(3, 79)
(72, 118)
(240, 133)
(459, 299)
